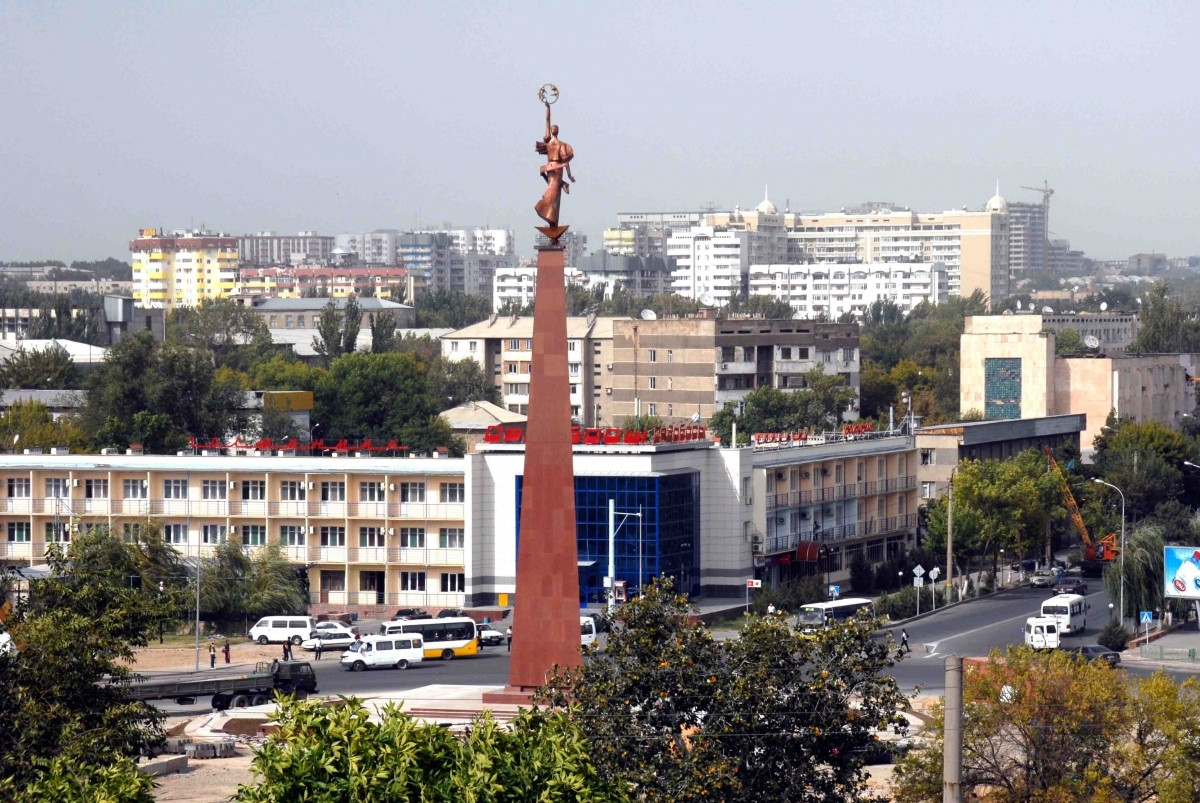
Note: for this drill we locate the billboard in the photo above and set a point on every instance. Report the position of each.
(1182, 570)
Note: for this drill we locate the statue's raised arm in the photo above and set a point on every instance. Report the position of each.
(558, 159)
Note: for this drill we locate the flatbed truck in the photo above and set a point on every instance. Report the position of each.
(234, 691)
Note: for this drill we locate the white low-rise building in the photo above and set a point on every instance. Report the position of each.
(838, 288)
(518, 284)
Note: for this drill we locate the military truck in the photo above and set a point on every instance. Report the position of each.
(234, 691)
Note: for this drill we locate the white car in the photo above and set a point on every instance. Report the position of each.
(336, 627)
(278, 629)
(489, 637)
(399, 651)
(330, 640)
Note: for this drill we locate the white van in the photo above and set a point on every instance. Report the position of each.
(1071, 612)
(1041, 632)
(399, 651)
(587, 630)
(278, 629)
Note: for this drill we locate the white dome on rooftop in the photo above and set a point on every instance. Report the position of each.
(997, 204)
(766, 207)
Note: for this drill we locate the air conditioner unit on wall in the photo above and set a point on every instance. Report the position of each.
(756, 548)
(232, 484)
(806, 475)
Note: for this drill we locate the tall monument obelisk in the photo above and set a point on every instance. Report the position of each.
(546, 605)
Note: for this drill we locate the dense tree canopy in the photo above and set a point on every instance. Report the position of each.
(49, 368)
(818, 406)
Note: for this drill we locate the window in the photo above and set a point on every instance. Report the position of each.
(412, 492)
(212, 489)
(291, 535)
(57, 488)
(726, 353)
(928, 490)
(802, 353)
(273, 322)
(135, 489)
(450, 538)
(19, 488)
(370, 492)
(454, 345)
(900, 505)
(453, 582)
(254, 535)
(333, 536)
(299, 321)
(514, 345)
(472, 346)
(847, 355)
(670, 383)
(453, 492)
(785, 352)
(653, 408)
(132, 532)
(652, 354)
(574, 369)
(879, 508)
(291, 491)
(288, 322)
(333, 492)
(19, 531)
(213, 534)
(95, 489)
(175, 533)
(826, 356)
(903, 465)
(370, 537)
(58, 533)
(652, 382)
(253, 489)
(412, 537)
(573, 345)
(880, 468)
(175, 489)
(412, 581)
(529, 345)
(670, 355)
(748, 354)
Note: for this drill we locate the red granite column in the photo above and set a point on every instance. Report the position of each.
(546, 607)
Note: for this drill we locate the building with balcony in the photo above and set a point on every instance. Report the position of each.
(266, 248)
(377, 247)
(338, 282)
(835, 289)
(640, 234)
(183, 268)
(516, 284)
(477, 240)
(305, 313)
(642, 275)
(686, 369)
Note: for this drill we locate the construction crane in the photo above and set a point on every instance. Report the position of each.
(1046, 193)
(1096, 554)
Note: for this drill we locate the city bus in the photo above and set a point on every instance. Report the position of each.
(444, 638)
(822, 614)
(1070, 610)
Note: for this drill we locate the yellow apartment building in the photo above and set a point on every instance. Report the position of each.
(183, 268)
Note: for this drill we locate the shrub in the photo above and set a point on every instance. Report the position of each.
(1114, 636)
(862, 579)
(903, 603)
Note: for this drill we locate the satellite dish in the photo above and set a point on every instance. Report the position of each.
(707, 300)
(1092, 342)
(649, 315)
(695, 418)
(1103, 306)
(1007, 312)
(1047, 311)
(1018, 305)
(1139, 301)
(797, 316)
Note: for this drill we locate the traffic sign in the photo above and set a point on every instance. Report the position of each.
(934, 572)
(918, 582)
(1145, 617)
(754, 584)
(918, 571)
(835, 592)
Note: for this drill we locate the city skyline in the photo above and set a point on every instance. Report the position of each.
(255, 132)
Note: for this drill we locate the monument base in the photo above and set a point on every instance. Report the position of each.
(553, 232)
(511, 695)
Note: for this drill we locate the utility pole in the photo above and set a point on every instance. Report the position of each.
(197, 610)
(612, 557)
(950, 541)
(952, 732)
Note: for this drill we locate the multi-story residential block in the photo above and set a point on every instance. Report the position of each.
(477, 240)
(711, 265)
(260, 283)
(834, 289)
(503, 346)
(1146, 263)
(686, 369)
(305, 313)
(474, 274)
(1009, 369)
(426, 257)
(643, 275)
(183, 268)
(517, 284)
(1027, 238)
(266, 248)
(573, 243)
(1065, 261)
(640, 234)
(369, 247)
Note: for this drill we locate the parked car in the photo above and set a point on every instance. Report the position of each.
(278, 629)
(601, 622)
(1043, 578)
(1071, 585)
(489, 637)
(1029, 564)
(411, 613)
(450, 613)
(1094, 652)
(330, 640)
(337, 627)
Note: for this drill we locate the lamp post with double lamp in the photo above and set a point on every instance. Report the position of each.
(313, 429)
(612, 557)
(1099, 481)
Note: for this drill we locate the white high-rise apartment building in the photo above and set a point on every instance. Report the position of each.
(370, 247)
(838, 288)
(477, 240)
(518, 284)
(710, 263)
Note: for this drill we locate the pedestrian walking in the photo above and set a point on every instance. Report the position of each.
(226, 650)
(286, 650)
(317, 648)
(771, 609)
(508, 633)
(212, 655)
(904, 641)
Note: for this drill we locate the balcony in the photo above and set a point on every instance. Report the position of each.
(16, 550)
(291, 509)
(246, 507)
(16, 504)
(790, 539)
(368, 554)
(418, 556)
(434, 511)
(891, 524)
(367, 510)
(413, 599)
(327, 554)
(833, 493)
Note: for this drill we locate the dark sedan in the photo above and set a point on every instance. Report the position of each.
(411, 613)
(1071, 585)
(1094, 652)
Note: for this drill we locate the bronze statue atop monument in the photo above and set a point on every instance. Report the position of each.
(558, 160)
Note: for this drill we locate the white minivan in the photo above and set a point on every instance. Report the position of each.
(1070, 610)
(399, 651)
(1041, 633)
(587, 630)
(278, 629)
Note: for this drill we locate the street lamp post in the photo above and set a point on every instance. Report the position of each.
(1118, 490)
(313, 429)
(612, 557)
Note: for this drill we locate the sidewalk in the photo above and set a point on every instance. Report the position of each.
(1173, 649)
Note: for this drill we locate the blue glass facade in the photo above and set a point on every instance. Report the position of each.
(670, 531)
(1001, 388)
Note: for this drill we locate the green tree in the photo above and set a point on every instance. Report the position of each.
(59, 320)
(818, 406)
(450, 309)
(29, 424)
(1164, 324)
(349, 754)
(236, 586)
(684, 717)
(456, 382)
(642, 423)
(232, 334)
(1143, 572)
(50, 368)
(758, 306)
(1051, 727)
(327, 342)
(383, 333)
(1067, 343)
(281, 373)
(351, 324)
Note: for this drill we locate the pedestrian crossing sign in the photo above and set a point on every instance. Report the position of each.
(1146, 617)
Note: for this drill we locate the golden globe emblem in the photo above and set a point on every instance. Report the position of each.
(548, 93)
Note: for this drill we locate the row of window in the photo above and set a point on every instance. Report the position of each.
(255, 535)
(451, 581)
(290, 490)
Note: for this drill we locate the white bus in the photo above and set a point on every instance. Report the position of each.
(444, 638)
(822, 614)
(1070, 610)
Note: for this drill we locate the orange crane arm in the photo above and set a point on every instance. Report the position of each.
(1071, 506)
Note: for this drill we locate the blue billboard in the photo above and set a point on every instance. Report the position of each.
(1182, 570)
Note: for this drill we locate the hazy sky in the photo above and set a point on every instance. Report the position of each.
(340, 116)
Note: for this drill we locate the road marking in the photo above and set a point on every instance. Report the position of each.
(933, 653)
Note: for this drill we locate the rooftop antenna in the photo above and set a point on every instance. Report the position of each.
(649, 315)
